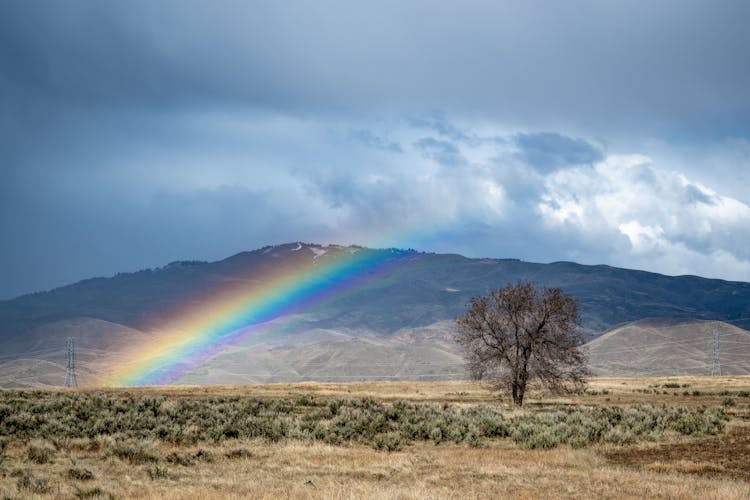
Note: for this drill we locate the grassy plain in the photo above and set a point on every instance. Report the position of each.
(379, 440)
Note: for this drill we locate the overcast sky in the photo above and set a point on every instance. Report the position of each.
(137, 133)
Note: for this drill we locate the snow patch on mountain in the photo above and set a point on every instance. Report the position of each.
(318, 252)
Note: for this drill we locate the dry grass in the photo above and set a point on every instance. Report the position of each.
(727, 455)
(689, 467)
(294, 469)
(462, 391)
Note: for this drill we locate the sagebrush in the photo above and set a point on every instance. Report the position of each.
(134, 423)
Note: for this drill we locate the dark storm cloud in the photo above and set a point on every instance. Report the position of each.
(627, 62)
(549, 151)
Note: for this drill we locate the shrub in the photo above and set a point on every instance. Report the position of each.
(436, 435)
(80, 474)
(542, 438)
(40, 452)
(473, 438)
(157, 472)
(37, 485)
(618, 435)
(305, 400)
(578, 441)
(390, 441)
(129, 426)
(239, 453)
(135, 453)
(334, 406)
(456, 434)
(203, 455)
(90, 492)
(179, 459)
(3, 445)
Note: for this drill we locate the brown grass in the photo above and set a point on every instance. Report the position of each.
(299, 470)
(727, 455)
(626, 389)
(706, 467)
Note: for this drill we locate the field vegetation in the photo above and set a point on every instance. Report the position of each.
(677, 437)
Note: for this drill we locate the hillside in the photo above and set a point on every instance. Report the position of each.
(389, 315)
(425, 353)
(655, 347)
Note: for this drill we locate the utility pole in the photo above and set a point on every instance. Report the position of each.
(716, 368)
(70, 374)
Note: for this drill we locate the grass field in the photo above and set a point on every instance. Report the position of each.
(685, 437)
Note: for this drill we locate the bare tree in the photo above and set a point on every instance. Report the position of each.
(523, 333)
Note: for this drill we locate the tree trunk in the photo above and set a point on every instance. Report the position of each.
(518, 391)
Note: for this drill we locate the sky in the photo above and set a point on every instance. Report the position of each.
(137, 133)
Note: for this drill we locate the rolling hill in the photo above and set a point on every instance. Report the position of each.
(658, 347)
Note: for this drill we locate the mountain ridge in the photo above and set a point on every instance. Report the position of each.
(558, 273)
(414, 290)
(188, 263)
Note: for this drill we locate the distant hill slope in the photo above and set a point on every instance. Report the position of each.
(425, 353)
(99, 347)
(653, 347)
(419, 290)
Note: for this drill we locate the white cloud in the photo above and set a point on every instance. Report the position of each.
(672, 224)
(643, 239)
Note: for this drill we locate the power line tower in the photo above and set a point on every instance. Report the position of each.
(70, 374)
(716, 368)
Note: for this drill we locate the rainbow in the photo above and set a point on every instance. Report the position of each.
(234, 312)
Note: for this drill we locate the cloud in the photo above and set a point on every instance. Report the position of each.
(376, 142)
(439, 123)
(662, 214)
(443, 152)
(513, 61)
(548, 151)
(693, 194)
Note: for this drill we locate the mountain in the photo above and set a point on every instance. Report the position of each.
(666, 346)
(392, 308)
